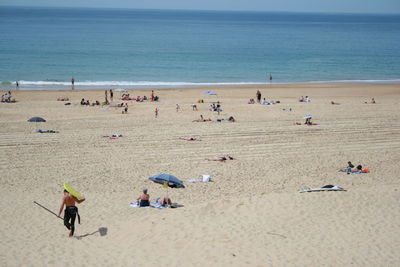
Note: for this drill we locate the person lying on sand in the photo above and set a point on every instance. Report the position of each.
(335, 103)
(189, 138)
(201, 119)
(46, 131)
(307, 122)
(164, 201)
(353, 169)
(222, 159)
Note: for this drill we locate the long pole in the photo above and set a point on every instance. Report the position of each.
(47, 209)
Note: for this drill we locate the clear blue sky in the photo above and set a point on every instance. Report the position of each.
(353, 6)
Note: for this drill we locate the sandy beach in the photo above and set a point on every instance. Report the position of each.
(252, 214)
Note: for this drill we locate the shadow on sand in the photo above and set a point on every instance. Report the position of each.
(101, 230)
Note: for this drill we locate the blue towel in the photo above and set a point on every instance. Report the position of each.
(152, 205)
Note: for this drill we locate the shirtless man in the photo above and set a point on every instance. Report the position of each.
(144, 199)
(70, 211)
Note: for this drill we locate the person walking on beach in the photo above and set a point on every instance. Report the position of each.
(152, 95)
(258, 95)
(105, 94)
(111, 95)
(73, 83)
(177, 107)
(70, 211)
(156, 112)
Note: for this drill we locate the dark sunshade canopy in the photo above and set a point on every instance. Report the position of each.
(36, 119)
(163, 178)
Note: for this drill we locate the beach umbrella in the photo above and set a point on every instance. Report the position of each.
(37, 119)
(169, 179)
(210, 93)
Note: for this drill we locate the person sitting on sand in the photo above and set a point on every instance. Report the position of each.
(231, 119)
(264, 102)
(164, 201)
(251, 101)
(222, 159)
(144, 199)
(301, 99)
(83, 102)
(349, 167)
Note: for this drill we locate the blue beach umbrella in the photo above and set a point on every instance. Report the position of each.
(164, 178)
(210, 93)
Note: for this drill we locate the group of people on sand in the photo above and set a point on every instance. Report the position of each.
(152, 97)
(351, 168)
(7, 98)
(304, 99)
(71, 210)
(144, 200)
(264, 101)
(87, 102)
(372, 101)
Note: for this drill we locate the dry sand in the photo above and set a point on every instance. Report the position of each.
(252, 214)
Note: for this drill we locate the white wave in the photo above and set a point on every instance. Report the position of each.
(128, 83)
(55, 85)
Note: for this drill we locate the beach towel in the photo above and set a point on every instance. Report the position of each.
(152, 205)
(324, 188)
(206, 178)
(366, 170)
(156, 205)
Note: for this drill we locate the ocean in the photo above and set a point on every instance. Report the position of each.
(43, 48)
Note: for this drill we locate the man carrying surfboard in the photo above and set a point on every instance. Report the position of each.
(69, 200)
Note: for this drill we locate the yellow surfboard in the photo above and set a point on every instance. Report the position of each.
(73, 192)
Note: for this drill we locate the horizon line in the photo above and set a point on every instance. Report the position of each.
(206, 10)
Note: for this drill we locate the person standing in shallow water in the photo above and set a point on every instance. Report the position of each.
(72, 83)
(70, 211)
